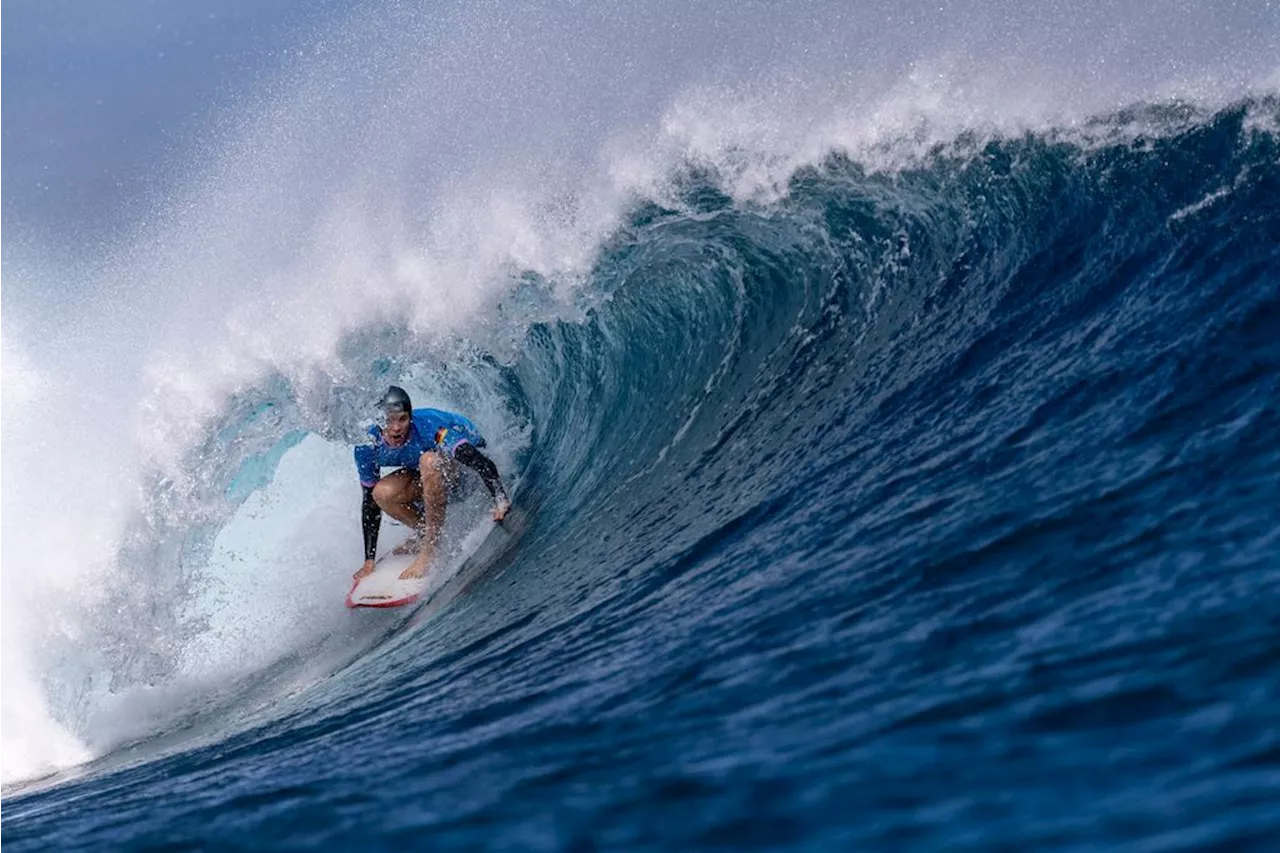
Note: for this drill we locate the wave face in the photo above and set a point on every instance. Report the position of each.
(936, 504)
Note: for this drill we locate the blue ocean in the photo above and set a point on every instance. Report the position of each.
(904, 490)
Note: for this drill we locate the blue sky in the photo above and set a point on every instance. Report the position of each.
(105, 102)
(99, 97)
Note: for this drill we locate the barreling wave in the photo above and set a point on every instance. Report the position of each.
(955, 395)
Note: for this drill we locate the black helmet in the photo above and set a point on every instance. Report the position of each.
(396, 400)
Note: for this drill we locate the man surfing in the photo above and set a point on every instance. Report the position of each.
(428, 445)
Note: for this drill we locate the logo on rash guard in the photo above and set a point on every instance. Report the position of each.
(440, 434)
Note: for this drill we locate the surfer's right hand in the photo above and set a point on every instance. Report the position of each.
(366, 569)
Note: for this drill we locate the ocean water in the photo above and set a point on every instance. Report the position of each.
(902, 490)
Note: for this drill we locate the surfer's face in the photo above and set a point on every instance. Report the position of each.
(397, 428)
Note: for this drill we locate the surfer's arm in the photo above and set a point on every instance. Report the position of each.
(371, 521)
(468, 455)
(370, 513)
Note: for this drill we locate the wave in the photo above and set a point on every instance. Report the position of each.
(888, 396)
(951, 348)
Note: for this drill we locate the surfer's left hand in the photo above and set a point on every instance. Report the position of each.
(500, 511)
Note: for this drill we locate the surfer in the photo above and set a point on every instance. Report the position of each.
(428, 445)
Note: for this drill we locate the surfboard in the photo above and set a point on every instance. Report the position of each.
(384, 588)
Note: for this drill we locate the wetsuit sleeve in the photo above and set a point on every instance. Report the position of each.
(371, 520)
(367, 464)
(468, 455)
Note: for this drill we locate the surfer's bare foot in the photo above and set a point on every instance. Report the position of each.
(418, 568)
(366, 569)
(500, 511)
(413, 572)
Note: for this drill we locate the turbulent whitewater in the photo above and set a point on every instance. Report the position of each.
(915, 490)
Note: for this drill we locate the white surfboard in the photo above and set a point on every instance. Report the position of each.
(383, 586)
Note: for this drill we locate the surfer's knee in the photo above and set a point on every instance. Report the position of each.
(431, 468)
(385, 492)
(429, 464)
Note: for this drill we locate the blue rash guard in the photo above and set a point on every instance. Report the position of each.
(432, 429)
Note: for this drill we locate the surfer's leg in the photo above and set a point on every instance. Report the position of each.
(396, 494)
(435, 493)
(414, 542)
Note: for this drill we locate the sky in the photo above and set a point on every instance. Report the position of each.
(105, 103)
(98, 98)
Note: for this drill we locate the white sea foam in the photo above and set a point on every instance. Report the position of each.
(63, 499)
